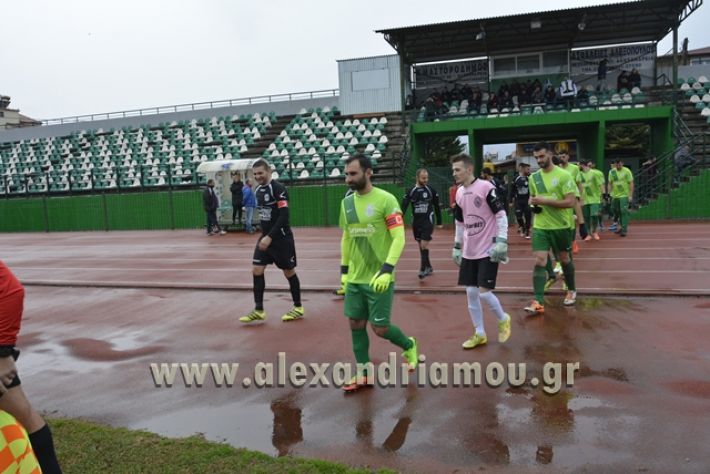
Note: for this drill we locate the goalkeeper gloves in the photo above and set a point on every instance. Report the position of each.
(456, 253)
(499, 252)
(382, 279)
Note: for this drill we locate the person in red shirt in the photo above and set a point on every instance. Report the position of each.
(12, 398)
(452, 197)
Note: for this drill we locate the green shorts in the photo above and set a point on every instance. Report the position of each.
(362, 303)
(559, 240)
(593, 208)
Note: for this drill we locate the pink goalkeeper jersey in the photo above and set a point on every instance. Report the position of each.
(480, 227)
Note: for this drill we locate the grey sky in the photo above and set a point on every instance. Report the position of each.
(73, 57)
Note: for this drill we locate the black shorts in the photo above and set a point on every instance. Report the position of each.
(480, 272)
(281, 252)
(422, 230)
(16, 381)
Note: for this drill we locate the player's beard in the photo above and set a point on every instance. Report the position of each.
(359, 185)
(546, 164)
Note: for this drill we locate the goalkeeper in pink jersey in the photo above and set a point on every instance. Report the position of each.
(481, 243)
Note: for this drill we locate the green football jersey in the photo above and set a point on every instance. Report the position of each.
(554, 184)
(620, 182)
(575, 172)
(592, 181)
(366, 220)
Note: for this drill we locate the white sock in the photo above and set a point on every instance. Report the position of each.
(475, 309)
(494, 303)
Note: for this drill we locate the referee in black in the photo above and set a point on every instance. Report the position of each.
(425, 204)
(521, 195)
(276, 244)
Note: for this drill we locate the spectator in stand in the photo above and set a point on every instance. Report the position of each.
(634, 79)
(474, 103)
(506, 100)
(601, 75)
(622, 82)
(456, 93)
(430, 109)
(537, 97)
(550, 97)
(492, 101)
(525, 94)
(515, 89)
(568, 92)
(583, 97)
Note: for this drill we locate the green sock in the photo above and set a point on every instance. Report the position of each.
(539, 279)
(548, 267)
(568, 270)
(595, 224)
(397, 337)
(361, 345)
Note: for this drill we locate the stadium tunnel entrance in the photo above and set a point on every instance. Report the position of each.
(588, 129)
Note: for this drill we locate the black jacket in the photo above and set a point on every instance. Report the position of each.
(209, 200)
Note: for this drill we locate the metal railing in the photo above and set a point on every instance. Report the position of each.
(659, 176)
(262, 99)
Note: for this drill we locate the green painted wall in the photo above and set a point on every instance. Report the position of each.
(310, 206)
(22, 215)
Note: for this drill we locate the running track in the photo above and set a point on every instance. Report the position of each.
(101, 307)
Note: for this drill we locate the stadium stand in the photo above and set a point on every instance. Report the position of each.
(311, 145)
(491, 106)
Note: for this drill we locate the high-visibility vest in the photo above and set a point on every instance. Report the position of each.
(16, 455)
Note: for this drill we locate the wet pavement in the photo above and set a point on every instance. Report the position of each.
(667, 259)
(640, 401)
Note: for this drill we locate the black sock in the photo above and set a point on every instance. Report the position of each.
(422, 260)
(259, 286)
(425, 255)
(43, 446)
(295, 286)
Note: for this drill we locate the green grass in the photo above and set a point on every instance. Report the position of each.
(86, 447)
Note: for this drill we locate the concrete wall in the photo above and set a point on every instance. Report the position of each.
(280, 108)
(9, 119)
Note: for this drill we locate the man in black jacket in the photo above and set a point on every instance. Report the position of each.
(210, 203)
(521, 197)
(237, 198)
